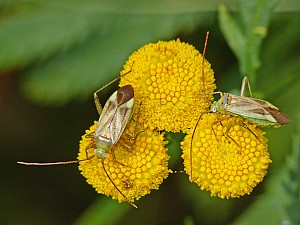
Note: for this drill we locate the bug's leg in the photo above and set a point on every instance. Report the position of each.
(245, 83)
(130, 138)
(127, 137)
(218, 92)
(126, 199)
(136, 133)
(90, 135)
(115, 159)
(244, 125)
(212, 128)
(127, 140)
(227, 131)
(87, 155)
(97, 101)
(90, 146)
(96, 98)
(226, 117)
(127, 145)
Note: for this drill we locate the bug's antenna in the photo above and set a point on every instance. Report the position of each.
(53, 163)
(117, 78)
(194, 131)
(203, 60)
(191, 148)
(131, 203)
(114, 80)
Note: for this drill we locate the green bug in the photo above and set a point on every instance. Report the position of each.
(113, 119)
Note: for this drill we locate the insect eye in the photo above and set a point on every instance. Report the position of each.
(100, 153)
(213, 107)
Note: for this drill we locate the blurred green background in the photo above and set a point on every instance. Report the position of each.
(55, 54)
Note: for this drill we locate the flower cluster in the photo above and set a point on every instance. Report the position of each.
(136, 164)
(226, 155)
(173, 87)
(168, 84)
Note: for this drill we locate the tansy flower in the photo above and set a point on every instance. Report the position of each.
(136, 166)
(227, 165)
(168, 85)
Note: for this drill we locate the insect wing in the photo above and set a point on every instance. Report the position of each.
(120, 120)
(279, 116)
(106, 117)
(125, 101)
(116, 114)
(256, 109)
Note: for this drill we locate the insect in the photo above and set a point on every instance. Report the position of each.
(257, 111)
(113, 119)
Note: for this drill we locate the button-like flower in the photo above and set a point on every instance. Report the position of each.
(168, 85)
(229, 155)
(136, 166)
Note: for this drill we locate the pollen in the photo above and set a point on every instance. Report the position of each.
(170, 88)
(137, 163)
(227, 155)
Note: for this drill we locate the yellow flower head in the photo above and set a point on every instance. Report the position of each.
(168, 85)
(228, 165)
(135, 166)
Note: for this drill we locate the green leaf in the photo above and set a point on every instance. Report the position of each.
(69, 49)
(103, 211)
(245, 31)
(33, 31)
(279, 80)
(281, 58)
(232, 32)
(87, 67)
